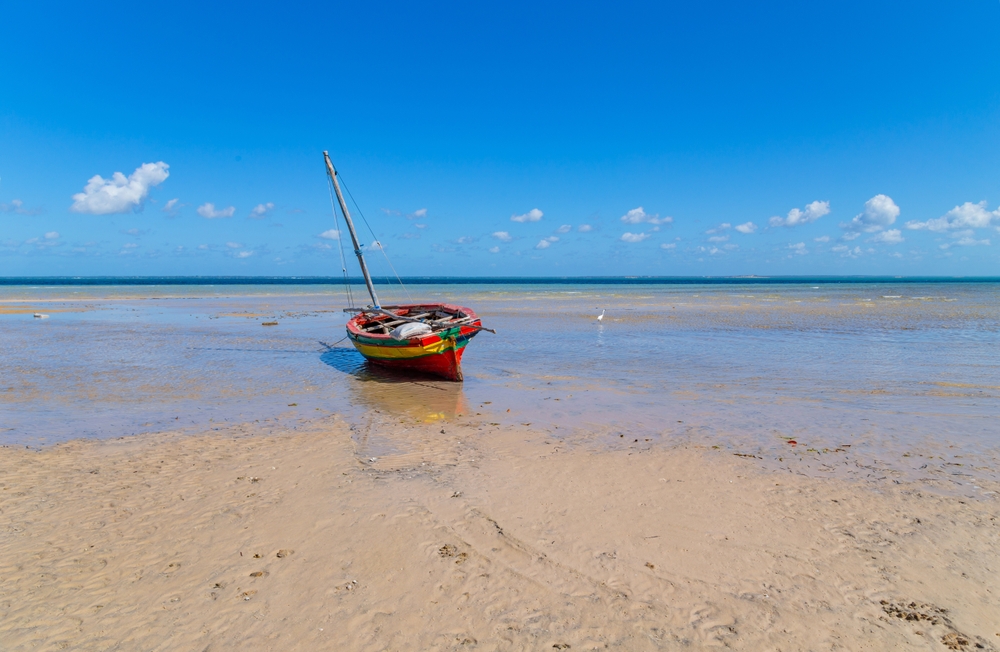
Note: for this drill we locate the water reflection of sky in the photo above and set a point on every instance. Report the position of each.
(829, 364)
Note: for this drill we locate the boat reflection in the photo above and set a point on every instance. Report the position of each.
(422, 399)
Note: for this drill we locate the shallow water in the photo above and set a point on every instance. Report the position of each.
(889, 367)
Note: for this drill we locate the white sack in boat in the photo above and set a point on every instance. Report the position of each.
(408, 330)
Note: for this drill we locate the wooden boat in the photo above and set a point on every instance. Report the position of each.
(426, 338)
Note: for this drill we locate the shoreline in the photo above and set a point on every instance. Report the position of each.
(466, 535)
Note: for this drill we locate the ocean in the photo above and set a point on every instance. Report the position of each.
(893, 367)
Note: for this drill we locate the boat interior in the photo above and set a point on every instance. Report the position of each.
(438, 317)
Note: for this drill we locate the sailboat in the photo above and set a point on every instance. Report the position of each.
(423, 338)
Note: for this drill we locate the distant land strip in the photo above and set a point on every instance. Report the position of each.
(487, 280)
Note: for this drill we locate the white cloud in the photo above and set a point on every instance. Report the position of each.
(725, 226)
(420, 226)
(494, 250)
(543, 244)
(672, 245)
(51, 235)
(822, 238)
(880, 212)
(17, 206)
(799, 248)
(129, 245)
(966, 216)
(203, 247)
(719, 238)
(330, 234)
(847, 251)
(850, 235)
(746, 227)
(234, 245)
(531, 216)
(261, 210)
(119, 194)
(584, 228)
(417, 214)
(244, 254)
(208, 211)
(966, 238)
(565, 228)
(465, 239)
(892, 236)
(502, 236)
(377, 245)
(171, 206)
(811, 213)
(638, 216)
(634, 237)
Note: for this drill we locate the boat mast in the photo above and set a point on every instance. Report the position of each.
(350, 227)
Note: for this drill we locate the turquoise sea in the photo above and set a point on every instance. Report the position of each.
(894, 368)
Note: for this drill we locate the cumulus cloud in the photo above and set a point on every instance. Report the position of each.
(668, 247)
(746, 227)
(417, 214)
(719, 238)
(51, 235)
(494, 250)
(639, 216)
(846, 251)
(584, 228)
(634, 237)
(465, 239)
(799, 248)
(502, 236)
(119, 194)
(234, 245)
(261, 210)
(531, 216)
(725, 226)
(17, 206)
(172, 206)
(880, 212)
(822, 238)
(330, 234)
(565, 228)
(545, 243)
(795, 217)
(244, 254)
(966, 216)
(966, 238)
(892, 236)
(208, 211)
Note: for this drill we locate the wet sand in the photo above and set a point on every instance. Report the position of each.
(467, 535)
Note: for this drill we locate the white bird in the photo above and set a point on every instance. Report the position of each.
(601, 316)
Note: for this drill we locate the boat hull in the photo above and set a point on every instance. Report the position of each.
(436, 354)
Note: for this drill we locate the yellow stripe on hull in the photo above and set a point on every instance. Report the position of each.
(403, 352)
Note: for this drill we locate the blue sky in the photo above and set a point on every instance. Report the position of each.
(505, 139)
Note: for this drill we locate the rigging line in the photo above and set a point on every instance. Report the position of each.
(375, 237)
(340, 242)
(370, 230)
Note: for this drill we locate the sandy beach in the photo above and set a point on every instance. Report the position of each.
(475, 536)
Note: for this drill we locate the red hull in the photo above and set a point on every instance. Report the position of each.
(447, 365)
